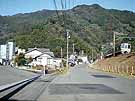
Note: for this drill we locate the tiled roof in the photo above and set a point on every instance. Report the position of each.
(39, 49)
(42, 50)
(49, 53)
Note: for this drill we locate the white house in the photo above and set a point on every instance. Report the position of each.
(40, 56)
(43, 59)
(19, 50)
(33, 53)
(57, 62)
(84, 59)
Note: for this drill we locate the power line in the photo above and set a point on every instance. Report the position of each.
(69, 4)
(65, 4)
(74, 3)
(56, 8)
(63, 14)
(62, 4)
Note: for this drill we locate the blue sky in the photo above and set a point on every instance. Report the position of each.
(11, 7)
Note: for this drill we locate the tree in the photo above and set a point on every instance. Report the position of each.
(20, 60)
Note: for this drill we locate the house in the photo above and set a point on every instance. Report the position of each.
(19, 50)
(40, 56)
(34, 52)
(84, 59)
(57, 62)
(44, 59)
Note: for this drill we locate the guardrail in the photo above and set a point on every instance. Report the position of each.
(8, 86)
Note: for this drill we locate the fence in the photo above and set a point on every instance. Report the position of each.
(120, 69)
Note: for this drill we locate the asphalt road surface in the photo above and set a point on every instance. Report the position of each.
(9, 75)
(30, 91)
(85, 84)
(80, 84)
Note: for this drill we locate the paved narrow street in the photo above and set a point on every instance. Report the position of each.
(34, 90)
(84, 84)
(80, 84)
(9, 75)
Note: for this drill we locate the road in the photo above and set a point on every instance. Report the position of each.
(80, 84)
(9, 75)
(84, 84)
(30, 91)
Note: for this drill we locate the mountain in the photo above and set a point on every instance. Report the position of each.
(90, 26)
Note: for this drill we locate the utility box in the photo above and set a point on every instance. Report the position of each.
(125, 48)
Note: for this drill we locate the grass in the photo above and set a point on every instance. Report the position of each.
(122, 62)
(125, 75)
(62, 71)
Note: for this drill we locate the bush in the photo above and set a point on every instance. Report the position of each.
(20, 60)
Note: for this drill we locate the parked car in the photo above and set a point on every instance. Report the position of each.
(71, 63)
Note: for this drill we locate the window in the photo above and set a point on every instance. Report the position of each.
(129, 46)
(126, 46)
(122, 46)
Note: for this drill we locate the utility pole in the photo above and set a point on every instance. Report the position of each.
(61, 57)
(114, 35)
(67, 32)
(92, 54)
(73, 48)
(61, 53)
(44, 70)
(114, 41)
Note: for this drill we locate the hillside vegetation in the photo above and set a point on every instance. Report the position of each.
(120, 60)
(90, 26)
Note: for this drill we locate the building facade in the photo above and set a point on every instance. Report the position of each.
(7, 52)
(3, 52)
(41, 57)
(10, 50)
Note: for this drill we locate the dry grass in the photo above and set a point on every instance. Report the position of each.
(62, 71)
(125, 63)
(37, 67)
